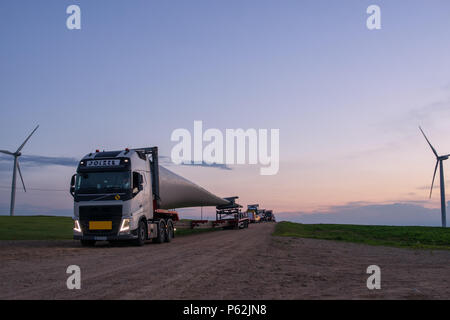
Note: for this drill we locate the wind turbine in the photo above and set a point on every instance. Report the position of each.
(16, 156)
(439, 160)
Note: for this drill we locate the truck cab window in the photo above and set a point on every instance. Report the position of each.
(137, 182)
(102, 182)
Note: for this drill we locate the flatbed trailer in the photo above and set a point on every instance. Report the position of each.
(231, 215)
(204, 224)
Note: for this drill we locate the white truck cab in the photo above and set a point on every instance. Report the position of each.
(116, 198)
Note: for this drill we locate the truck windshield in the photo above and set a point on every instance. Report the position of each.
(103, 182)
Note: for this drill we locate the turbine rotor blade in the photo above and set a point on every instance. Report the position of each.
(6, 152)
(432, 148)
(20, 148)
(20, 174)
(434, 176)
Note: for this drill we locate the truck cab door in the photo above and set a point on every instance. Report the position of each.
(138, 188)
(146, 195)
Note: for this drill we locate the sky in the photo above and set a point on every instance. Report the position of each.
(347, 100)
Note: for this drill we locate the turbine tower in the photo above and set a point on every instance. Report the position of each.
(439, 161)
(16, 168)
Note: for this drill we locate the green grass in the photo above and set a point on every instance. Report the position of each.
(35, 228)
(405, 237)
(51, 228)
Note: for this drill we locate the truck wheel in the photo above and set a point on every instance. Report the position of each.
(87, 243)
(169, 231)
(142, 234)
(161, 232)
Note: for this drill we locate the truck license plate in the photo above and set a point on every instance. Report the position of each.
(100, 225)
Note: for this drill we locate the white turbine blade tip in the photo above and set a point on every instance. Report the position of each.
(429, 143)
(21, 177)
(23, 144)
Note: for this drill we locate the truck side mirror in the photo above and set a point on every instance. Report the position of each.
(72, 185)
(141, 182)
(138, 181)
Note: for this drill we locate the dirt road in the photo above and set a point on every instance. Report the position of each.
(229, 264)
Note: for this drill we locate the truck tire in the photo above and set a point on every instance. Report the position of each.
(87, 243)
(160, 238)
(142, 234)
(169, 231)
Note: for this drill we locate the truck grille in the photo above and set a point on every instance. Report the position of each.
(100, 213)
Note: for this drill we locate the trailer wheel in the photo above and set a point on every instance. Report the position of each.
(142, 234)
(87, 243)
(161, 232)
(169, 231)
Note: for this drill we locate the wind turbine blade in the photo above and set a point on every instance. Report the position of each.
(434, 151)
(20, 174)
(7, 152)
(434, 175)
(20, 148)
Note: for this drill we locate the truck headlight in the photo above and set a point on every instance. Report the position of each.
(76, 226)
(125, 226)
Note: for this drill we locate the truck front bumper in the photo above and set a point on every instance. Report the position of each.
(105, 238)
(99, 237)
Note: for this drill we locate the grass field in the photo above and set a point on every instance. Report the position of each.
(35, 228)
(405, 237)
(50, 228)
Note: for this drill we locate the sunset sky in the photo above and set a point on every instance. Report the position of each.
(347, 101)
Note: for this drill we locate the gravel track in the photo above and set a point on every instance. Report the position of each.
(228, 264)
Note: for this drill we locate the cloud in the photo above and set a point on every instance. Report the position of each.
(208, 165)
(41, 161)
(48, 161)
(401, 214)
(37, 161)
(425, 115)
(167, 161)
(437, 108)
(435, 186)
